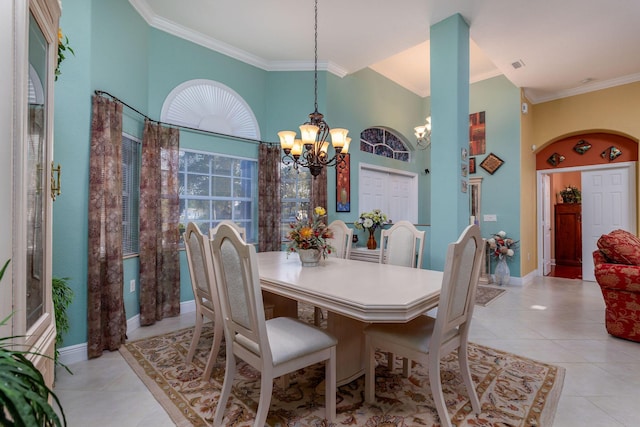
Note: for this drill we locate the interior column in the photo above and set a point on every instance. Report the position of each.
(450, 134)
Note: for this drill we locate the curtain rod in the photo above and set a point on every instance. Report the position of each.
(210, 132)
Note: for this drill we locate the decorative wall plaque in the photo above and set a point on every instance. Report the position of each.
(555, 159)
(491, 163)
(611, 153)
(581, 147)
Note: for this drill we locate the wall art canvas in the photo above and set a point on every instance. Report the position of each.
(343, 185)
(477, 141)
(472, 165)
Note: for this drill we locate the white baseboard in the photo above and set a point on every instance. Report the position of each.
(78, 353)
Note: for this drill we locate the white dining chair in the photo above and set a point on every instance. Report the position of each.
(402, 244)
(241, 230)
(428, 340)
(274, 347)
(341, 240)
(205, 293)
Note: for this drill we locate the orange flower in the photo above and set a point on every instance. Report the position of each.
(306, 233)
(60, 35)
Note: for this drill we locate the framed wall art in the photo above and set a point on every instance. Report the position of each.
(343, 185)
(491, 163)
(472, 165)
(477, 138)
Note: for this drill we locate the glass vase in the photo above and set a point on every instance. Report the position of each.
(371, 243)
(502, 273)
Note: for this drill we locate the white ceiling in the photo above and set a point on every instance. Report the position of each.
(567, 46)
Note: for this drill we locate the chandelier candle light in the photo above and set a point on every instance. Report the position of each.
(312, 149)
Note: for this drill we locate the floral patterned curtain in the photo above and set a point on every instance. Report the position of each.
(106, 319)
(269, 208)
(319, 192)
(159, 215)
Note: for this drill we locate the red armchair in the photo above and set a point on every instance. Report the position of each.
(617, 271)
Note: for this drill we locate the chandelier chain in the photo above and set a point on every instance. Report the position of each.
(315, 62)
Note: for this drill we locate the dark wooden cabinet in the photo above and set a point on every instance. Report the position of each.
(568, 234)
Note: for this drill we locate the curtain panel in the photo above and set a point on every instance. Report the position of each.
(319, 191)
(269, 207)
(106, 319)
(159, 216)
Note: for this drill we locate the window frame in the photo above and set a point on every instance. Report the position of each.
(250, 223)
(131, 198)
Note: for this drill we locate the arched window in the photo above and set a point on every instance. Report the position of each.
(383, 142)
(210, 105)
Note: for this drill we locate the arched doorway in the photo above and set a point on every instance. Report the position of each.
(591, 162)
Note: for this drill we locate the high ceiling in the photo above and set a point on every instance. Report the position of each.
(565, 47)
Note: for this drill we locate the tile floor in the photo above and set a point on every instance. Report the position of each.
(554, 320)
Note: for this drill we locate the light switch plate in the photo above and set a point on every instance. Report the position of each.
(490, 218)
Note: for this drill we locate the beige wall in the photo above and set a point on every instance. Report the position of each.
(615, 110)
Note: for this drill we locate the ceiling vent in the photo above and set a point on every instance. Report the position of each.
(517, 64)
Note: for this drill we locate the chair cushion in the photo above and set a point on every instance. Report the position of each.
(291, 338)
(620, 247)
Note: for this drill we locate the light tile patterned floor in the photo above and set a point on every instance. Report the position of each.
(554, 320)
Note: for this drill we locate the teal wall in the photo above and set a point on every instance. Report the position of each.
(116, 51)
(500, 99)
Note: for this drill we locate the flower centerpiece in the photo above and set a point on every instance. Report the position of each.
(309, 237)
(571, 194)
(502, 248)
(370, 221)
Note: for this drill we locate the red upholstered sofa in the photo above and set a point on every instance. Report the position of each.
(617, 271)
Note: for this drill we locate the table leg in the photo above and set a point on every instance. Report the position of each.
(350, 348)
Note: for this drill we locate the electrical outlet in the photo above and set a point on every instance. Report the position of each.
(132, 285)
(490, 218)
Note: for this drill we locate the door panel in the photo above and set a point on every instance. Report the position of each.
(608, 203)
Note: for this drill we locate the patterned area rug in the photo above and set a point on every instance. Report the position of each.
(485, 295)
(513, 390)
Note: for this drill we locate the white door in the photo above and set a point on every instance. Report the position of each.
(392, 191)
(608, 203)
(546, 225)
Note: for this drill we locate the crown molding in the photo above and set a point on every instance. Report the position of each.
(196, 37)
(580, 90)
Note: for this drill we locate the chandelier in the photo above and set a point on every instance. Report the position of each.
(423, 134)
(312, 149)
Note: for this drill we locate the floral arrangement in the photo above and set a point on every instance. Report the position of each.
(310, 233)
(63, 46)
(371, 220)
(502, 246)
(571, 194)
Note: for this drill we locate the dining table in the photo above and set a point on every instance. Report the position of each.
(355, 294)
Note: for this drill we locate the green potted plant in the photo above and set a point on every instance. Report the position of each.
(62, 297)
(24, 394)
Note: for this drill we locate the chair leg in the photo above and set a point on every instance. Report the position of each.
(369, 371)
(317, 316)
(406, 367)
(266, 388)
(436, 390)
(226, 387)
(391, 358)
(196, 336)
(330, 387)
(463, 358)
(215, 349)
